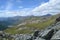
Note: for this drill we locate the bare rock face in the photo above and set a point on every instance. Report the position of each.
(58, 19)
(47, 34)
(39, 39)
(44, 35)
(56, 36)
(50, 33)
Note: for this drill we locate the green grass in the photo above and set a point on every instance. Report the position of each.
(39, 25)
(25, 31)
(42, 25)
(13, 31)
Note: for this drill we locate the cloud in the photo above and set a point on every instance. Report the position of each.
(11, 3)
(8, 5)
(22, 12)
(6, 14)
(52, 7)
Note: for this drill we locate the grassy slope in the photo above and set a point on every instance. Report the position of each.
(42, 25)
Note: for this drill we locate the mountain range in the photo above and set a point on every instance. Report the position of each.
(26, 24)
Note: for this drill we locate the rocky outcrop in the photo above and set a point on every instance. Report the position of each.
(50, 33)
(45, 35)
(56, 36)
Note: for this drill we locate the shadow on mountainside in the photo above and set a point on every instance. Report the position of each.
(3, 26)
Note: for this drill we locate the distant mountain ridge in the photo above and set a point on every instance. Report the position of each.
(12, 20)
(8, 21)
(47, 15)
(31, 23)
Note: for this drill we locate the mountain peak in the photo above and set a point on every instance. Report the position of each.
(47, 15)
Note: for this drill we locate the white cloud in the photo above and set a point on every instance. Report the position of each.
(8, 13)
(8, 6)
(53, 6)
(24, 12)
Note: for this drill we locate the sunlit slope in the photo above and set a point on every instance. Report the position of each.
(29, 27)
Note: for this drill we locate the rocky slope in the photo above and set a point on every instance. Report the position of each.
(31, 24)
(50, 33)
(33, 29)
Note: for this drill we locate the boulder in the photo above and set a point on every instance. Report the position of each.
(56, 36)
(47, 34)
(36, 34)
(39, 38)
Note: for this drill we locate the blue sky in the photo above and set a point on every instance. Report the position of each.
(9, 8)
(15, 4)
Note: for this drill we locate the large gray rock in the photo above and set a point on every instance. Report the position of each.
(47, 34)
(39, 38)
(36, 34)
(22, 36)
(56, 36)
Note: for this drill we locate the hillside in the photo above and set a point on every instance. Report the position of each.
(31, 24)
(47, 30)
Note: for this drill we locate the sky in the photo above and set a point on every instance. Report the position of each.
(10, 8)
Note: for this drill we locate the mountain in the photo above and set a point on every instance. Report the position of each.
(50, 30)
(3, 25)
(47, 15)
(5, 22)
(24, 24)
(31, 23)
(17, 19)
(12, 20)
